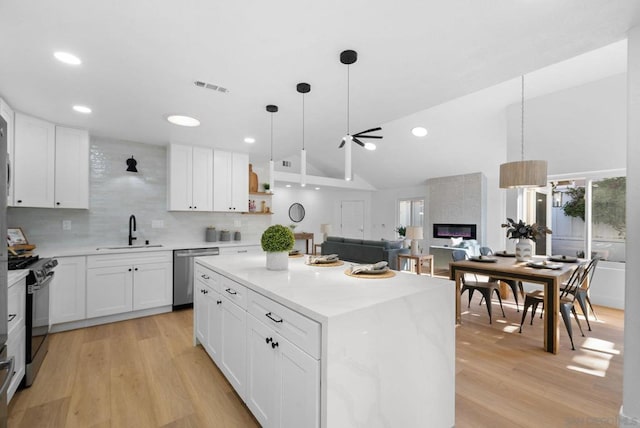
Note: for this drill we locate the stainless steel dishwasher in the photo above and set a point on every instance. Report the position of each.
(183, 274)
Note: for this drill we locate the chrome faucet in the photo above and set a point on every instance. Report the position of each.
(132, 228)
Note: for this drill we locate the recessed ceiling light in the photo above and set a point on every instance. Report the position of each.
(317, 188)
(303, 185)
(249, 140)
(419, 131)
(82, 109)
(183, 120)
(288, 185)
(67, 58)
(369, 146)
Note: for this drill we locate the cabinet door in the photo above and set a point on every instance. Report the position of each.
(109, 290)
(234, 321)
(71, 168)
(222, 164)
(8, 114)
(180, 177)
(16, 349)
(261, 365)
(34, 154)
(201, 310)
(297, 387)
(68, 290)
(214, 327)
(152, 285)
(240, 182)
(202, 177)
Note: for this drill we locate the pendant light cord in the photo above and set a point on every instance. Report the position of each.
(348, 106)
(522, 122)
(302, 121)
(271, 137)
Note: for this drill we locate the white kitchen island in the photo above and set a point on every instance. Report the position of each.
(384, 348)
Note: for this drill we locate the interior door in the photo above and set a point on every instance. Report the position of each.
(352, 219)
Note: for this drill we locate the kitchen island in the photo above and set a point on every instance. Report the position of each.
(359, 352)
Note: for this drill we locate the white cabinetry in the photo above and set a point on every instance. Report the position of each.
(190, 178)
(68, 290)
(51, 165)
(230, 181)
(120, 283)
(16, 334)
(8, 114)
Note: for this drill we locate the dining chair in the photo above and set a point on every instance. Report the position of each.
(516, 286)
(483, 287)
(582, 291)
(567, 302)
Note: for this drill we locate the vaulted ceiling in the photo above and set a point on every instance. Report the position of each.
(141, 58)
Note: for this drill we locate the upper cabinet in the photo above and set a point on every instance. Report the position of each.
(190, 178)
(230, 181)
(51, 165)
(8, 115)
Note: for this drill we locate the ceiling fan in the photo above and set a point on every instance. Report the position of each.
(349, 57)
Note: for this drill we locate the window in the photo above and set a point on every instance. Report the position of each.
(411, 212)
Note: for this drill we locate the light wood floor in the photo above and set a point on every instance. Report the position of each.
(146, 373)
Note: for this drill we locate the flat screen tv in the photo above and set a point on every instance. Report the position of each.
(451, 230)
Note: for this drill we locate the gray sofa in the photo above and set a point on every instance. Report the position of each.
(364, 251)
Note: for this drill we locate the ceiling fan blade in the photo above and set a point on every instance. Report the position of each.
(341, 144)
(355, 140)
(368, 130)
(369, 136)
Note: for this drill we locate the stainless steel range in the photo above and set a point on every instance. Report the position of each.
(37, 310)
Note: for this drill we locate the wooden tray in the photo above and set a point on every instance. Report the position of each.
(296, 256)
(388, 274)
(338, 263)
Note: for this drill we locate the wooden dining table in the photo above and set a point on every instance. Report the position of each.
(509, 268)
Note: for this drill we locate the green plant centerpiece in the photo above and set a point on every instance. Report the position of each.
(402, 231)
(524, 233)
(277, 241)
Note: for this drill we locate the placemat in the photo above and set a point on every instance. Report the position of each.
(388, 274)
(338, 263)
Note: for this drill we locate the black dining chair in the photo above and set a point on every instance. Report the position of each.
(484, 287)
(516, 286)
(582, 292)
(567, 302)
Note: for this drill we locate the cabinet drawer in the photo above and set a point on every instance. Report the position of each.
(16, 305)
(127, 259)
(16, 349)
(300, 330)
(209, 277)
(233, 291)
(244, 249)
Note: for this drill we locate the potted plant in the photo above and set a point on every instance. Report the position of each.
(402, 231)
(524, 233)
(266, 187)
(277, 241)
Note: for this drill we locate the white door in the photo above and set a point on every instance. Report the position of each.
(222, 164)
(261, 365)
(214, 327)
(352, 219)
(68, 290)
(152, 285)
(234, 321)
(180, 177)
(109, 290)
(202, 179)
(201, 309)
(71, 168)
(240, 182)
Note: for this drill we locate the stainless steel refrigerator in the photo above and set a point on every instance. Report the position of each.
(6, 366)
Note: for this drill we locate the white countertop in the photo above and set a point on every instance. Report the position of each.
(84, 250)
(319, 292)
(14, 276)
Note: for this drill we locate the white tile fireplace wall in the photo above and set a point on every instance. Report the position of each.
(116, 194)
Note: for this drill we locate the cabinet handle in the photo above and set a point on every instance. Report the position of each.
(268, 315)
(12, 316)
(219, 302)
(205, 276)
(57, 203)
(243, 251)
(274, 345)
(19, 201)
(230, 291)
(136, 269)
(129, 269)
(268, 340)
(195, 208)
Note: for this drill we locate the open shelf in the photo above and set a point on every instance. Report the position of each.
(261, 193)
(258, 213)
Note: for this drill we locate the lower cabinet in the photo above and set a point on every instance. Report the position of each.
(16, 332)
(109, 291)
(277, 379)
(69, 290)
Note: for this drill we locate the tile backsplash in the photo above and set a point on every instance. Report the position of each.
(115, 194)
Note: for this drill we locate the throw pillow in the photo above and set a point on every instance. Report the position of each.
(455, 242)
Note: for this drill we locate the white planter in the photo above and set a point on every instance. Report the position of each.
(523, 250)
(278, 260)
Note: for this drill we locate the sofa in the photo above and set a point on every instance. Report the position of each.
(364, 251)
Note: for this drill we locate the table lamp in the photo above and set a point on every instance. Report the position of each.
(326, 230)
(414, 233)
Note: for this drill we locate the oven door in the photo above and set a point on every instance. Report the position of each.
(39, 296)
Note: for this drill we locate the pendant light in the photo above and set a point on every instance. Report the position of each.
(271, 109)
(303, 88)
(522, 173)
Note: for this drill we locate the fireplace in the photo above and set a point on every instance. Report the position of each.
(452, 230)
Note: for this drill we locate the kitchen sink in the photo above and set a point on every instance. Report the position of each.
(129, 247)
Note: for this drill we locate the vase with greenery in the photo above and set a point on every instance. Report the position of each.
(277, 241)
(402, 231)
(525, 233)
(266, 187)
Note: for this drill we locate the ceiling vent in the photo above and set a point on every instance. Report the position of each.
(205, 85)
(286, 163)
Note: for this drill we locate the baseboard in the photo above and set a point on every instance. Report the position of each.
(627, 421)
(73, 325)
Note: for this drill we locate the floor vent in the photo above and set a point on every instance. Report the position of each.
(205, 85)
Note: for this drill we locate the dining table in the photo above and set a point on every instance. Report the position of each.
(549, 274)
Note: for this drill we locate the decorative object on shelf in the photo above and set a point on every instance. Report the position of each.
(237, 236)
(522, 173)
(325, 228)
(414, 233)
(263, 206)
(210, 234)
(267, 187)
(271, 109)
(277, 241)
(349, 57)
(225, 235)
(252, 205)
(131, 164)
(303, 88)
(253, 180)
(524, 233)
(296, 212)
